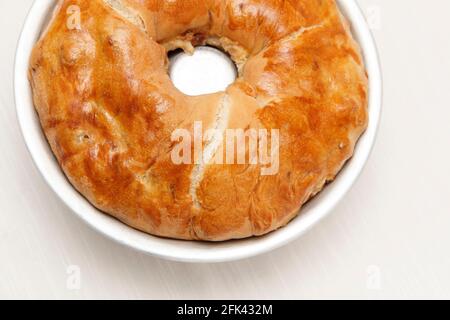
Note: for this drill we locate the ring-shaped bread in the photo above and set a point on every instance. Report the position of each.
(109, 109)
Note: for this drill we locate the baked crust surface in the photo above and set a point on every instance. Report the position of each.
(108, 108)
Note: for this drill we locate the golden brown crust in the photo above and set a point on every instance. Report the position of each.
(108, 108)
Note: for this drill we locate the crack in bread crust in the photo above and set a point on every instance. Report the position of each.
(211, 147)
(127, 13)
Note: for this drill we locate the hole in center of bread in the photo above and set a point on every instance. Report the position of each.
(207, 70)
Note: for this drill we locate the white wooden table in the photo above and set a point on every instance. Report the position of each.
(389, 238)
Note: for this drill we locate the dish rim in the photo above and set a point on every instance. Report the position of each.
(191, 251)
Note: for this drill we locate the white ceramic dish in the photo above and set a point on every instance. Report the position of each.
(314, 211)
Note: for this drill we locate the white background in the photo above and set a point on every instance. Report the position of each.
(389, 238)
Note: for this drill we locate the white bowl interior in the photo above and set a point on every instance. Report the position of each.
(187, 251)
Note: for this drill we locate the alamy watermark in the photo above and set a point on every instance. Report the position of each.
(74, 17)
(230, 146)
(374, 279)
(73, 281)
